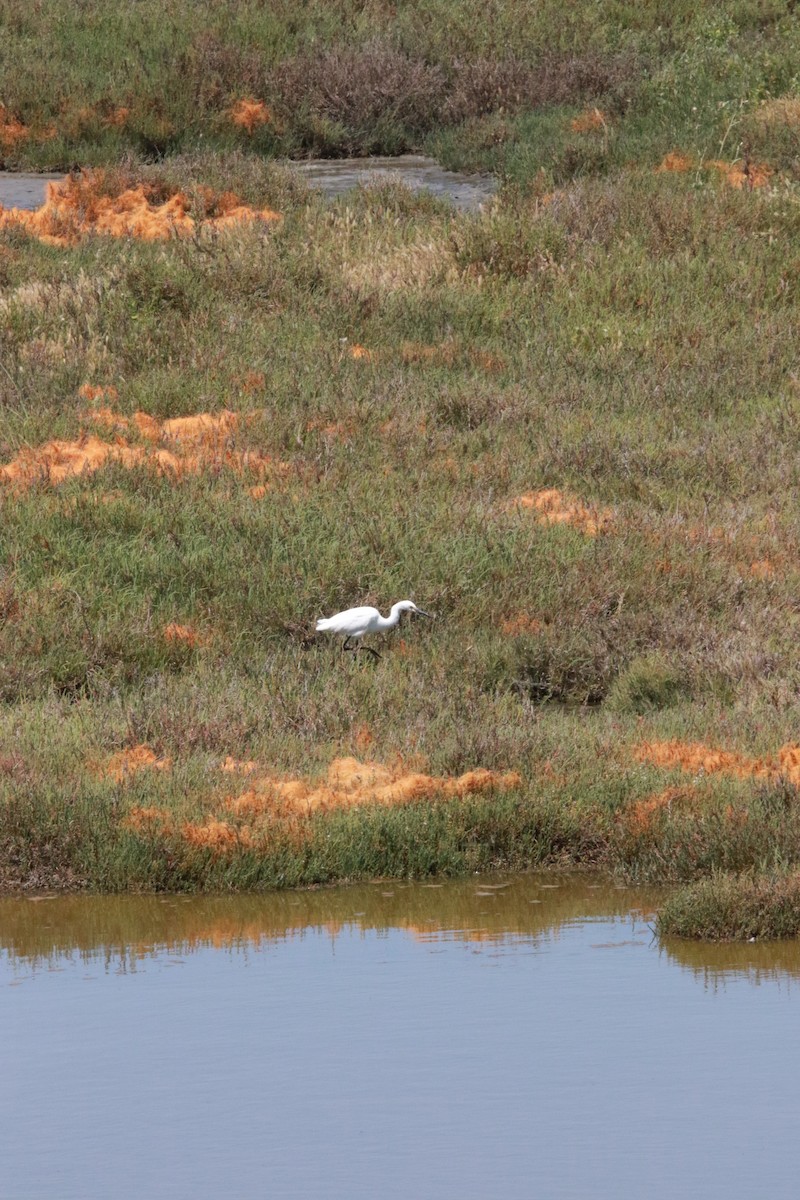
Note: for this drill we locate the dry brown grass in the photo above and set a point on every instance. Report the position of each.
(193, 444)
(518, 624)
(697, 758)
(739, 174)
(123, 765)
(250, 115)
(187, 635)
(81, 205)
(782, 111)
(410, 268)
(350, 783)
(590, 121)
(554, 507)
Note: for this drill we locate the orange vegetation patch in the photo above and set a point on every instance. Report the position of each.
(200, 429)
(195, 442)
(274, 805)
(486, 360)
(94, 393)
(186, 634)
(126, 763)
(763, 568)
(697, 758)
(147, 820)
(250, 115)
(351, 784)
(743, 174)
(12, 131)
(218, 836)
(363, 737)
(252, 381)
(235, 766)
(737, 174)
(554, 507)
(448, 354)
(518, 624)
(640, 815)
(361, 352)
(59, 460)
(675, 161)
(589, 121)
(117, 118)
(331, 430)
(79, 205)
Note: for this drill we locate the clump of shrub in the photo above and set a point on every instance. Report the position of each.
(727, 907)
(771, 133)
(577, 669)
(519, 238)
(366, 100)
(377, 99)
(650, 683)
(488, 85)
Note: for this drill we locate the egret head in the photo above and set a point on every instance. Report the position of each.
(410, 606)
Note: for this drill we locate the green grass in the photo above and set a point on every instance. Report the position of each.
(625, 336)
(490, 88)
(734, 907)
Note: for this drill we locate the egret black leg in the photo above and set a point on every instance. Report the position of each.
(355, 649)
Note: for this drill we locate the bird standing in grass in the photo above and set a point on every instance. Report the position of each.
(354, 623)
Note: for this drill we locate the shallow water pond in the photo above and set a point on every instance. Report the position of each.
(502, 1037)
(20, 189)
(334, 177)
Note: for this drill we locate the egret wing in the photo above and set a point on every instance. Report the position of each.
(354, 621)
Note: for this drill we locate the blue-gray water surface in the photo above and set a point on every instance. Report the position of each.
(484, 1038)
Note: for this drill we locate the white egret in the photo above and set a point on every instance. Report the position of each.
(354, 623)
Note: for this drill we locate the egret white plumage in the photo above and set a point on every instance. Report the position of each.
(355, 623)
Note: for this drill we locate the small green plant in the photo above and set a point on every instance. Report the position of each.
(734, 907)
(649, 684)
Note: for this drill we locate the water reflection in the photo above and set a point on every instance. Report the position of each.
(493, 910)
(712, 962)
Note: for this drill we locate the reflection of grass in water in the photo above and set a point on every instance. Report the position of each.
(136, 926)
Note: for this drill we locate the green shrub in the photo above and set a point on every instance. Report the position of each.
(650, 683)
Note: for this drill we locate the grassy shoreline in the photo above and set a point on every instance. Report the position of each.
(567, 425)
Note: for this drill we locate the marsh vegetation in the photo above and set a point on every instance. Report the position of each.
(567, 425)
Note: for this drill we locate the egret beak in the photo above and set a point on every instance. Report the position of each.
(422, 613)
